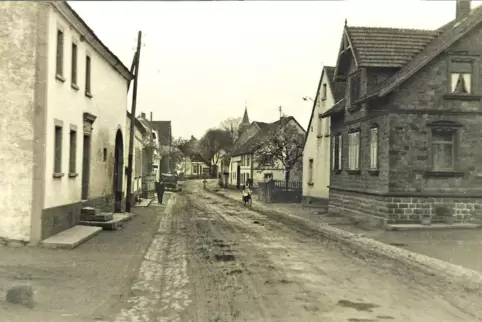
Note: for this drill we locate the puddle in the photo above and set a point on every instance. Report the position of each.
(385, 317)
(257, 223)
(359, 306)
(224, 258)
(398, 244)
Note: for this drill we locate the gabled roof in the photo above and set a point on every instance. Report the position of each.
(451, 32)
(138, 124)
(98, 45)
(163, 129)
(265, 129)
(387, 47)
(337, 90)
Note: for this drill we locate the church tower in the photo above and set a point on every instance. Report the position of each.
(244, 123)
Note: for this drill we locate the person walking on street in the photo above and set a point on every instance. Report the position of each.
(160, 191)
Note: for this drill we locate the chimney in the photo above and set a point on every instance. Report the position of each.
(143, 115)
(462, 9)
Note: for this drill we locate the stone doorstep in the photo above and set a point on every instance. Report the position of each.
(117, 221)
(71, 238)
(406, 227)
(88, 211)
(97, 217)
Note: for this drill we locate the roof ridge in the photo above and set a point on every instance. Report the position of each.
(393, 28)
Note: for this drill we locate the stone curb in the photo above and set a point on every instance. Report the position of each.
(468, 278)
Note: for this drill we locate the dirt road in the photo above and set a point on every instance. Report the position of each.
(214, 260)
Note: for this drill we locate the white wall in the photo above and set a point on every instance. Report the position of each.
(317, 147)
(17, 81)
(138, 148)
(109, 104)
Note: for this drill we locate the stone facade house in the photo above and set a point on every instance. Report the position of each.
(243, 166)
(316, 149)
(64, 102)
(406, 135)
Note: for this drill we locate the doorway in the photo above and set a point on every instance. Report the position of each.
(86, 167)
(118, 173)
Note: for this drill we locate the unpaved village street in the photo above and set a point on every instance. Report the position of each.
(214, 260)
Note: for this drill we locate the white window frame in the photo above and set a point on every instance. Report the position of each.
(354, 150)
(374, 148)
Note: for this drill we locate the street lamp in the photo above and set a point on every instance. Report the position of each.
(306, 98)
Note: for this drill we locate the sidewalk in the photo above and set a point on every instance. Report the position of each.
(457, 246)
(87, 283)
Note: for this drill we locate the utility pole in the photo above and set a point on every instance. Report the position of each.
(132, 128)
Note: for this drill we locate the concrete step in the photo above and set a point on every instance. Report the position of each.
(143, 203)
(71, 238)
(97, 217)
(89, 211)
(405, 227)
(117, 221)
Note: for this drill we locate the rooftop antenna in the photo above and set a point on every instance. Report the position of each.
(280, 112)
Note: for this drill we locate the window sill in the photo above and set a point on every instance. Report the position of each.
(327, 135)
(323, 98)
(374, 172)
(88, 94)
(311, 183)
(463, 97)
(353, 171)
(319, 136)
(73, 175)
(75, 86)
(444, 174)
(57, 175)
(60, 78)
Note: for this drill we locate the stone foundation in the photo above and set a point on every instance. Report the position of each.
(404, 209)
(314, 201)
(58, 219)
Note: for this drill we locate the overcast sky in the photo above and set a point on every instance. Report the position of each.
(202, 60)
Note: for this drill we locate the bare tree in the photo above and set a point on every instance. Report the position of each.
(283, 144)
(177, 152)
(231, 125)
(213, 142)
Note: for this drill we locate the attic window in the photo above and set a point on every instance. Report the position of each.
(355, 81)
(324, 92)
(461, 77)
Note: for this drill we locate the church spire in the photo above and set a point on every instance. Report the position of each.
(245, 122)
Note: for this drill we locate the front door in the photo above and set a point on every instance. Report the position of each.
(86, 167)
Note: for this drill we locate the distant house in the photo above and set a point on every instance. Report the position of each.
(64, 101)
(162, 133)
(243, 166)
(141, 135)
(194, 164)
(407, 133)
(316, 152)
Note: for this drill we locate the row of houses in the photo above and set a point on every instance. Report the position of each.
(240, 165)
(64, 126)
(397, 121)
